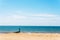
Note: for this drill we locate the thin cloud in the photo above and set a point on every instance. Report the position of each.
(46, 19)
(44, 15)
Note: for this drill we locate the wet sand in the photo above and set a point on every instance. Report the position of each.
(30, 36)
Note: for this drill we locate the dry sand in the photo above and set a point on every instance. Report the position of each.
(30, 36)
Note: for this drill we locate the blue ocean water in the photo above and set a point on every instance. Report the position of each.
(37, 29)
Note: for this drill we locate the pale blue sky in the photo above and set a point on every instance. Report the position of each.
(30, 12)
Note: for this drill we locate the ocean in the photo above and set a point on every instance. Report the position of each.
(34, 29)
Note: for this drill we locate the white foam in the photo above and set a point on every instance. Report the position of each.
(29, 32)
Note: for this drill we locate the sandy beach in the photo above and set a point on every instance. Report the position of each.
(30, 36)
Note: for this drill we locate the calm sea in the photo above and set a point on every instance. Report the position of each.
(37, 29)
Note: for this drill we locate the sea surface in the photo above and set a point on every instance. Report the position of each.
(34, 29)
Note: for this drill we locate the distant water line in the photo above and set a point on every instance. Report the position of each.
(36, 29)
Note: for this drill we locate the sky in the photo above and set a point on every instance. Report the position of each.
(30, 12)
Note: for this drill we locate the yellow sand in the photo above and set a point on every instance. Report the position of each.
(30, 36)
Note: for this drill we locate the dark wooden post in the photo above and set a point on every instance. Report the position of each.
(17, 31)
